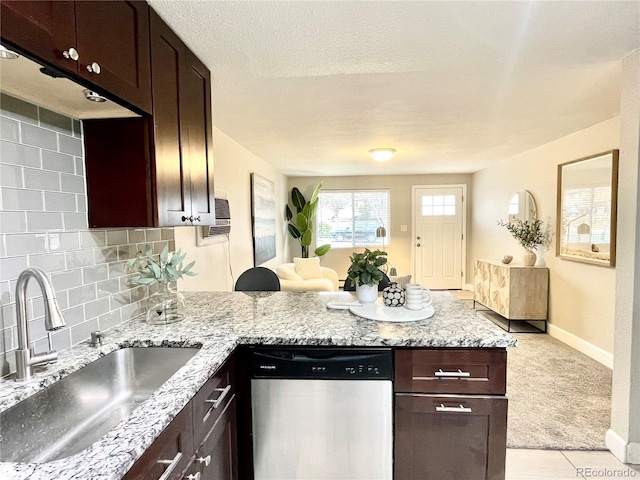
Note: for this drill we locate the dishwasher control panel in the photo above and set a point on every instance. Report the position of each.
(322, 363)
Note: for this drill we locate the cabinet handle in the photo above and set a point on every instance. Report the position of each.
(172, 464)
(193, 476)
(198, 219)
(457, 374)
(460, 409)
(216, 403)
(191, 219)
(94, 68)
(206, 460)
(72, 53)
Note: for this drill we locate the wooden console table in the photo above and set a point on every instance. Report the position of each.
(518, 293)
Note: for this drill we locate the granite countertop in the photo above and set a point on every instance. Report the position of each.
(218, 322)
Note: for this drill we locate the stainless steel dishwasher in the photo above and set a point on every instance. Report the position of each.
(322, 413)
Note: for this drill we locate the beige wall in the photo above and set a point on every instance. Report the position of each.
(399, 245)
(582, 296)
(233, 165)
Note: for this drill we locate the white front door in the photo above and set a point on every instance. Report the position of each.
(437, 236)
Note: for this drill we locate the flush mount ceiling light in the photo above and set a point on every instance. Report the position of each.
(8, 54)
(93, 96)
(382, 154)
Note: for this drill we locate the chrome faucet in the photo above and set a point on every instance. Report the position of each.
(26, 358)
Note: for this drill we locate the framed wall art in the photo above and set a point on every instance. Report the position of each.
(263, 219)
(587, 209)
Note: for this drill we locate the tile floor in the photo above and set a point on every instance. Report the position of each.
(560, 465)
(565, 465)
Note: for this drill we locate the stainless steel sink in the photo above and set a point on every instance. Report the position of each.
(75, 412)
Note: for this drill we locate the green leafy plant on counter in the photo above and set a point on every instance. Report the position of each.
(365, 267)
(150, 269)
(301, 227)
(528, 233)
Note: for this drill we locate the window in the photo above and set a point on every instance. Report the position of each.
(438, 205)
(347, 219)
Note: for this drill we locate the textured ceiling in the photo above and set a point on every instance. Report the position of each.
(454, 86)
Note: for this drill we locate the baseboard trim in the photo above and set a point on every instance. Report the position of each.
(623, 451)
(589, 349)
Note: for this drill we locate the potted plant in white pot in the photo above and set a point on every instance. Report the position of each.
(165, 305)
(529, 235)
(365, 273)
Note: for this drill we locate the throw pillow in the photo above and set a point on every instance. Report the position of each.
(308, 268)
(287, 272)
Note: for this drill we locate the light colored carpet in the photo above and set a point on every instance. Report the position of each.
(559, 398)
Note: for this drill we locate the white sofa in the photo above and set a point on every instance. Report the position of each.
(292, 282)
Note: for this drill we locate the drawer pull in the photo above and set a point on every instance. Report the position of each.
(458, 374)
(172, 464)
(216, 403)
(206, 460)
(460, 409)
(193, 476)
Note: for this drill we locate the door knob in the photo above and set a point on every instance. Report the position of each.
(94, 68)
(417, 244)
(417, 238)
(72, 53)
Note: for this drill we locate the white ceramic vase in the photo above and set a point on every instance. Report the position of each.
(367, 293)
(529, 258)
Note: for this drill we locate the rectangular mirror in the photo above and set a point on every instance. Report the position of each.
(587, 205)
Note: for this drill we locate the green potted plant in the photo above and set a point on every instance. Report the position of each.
(165, 305)
(301, 228)
(529, 235)
(365, 273)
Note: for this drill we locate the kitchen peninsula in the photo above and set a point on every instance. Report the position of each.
(220, 322)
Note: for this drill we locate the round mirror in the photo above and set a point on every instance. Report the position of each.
(522, 207)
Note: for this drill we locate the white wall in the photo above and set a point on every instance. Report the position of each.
(398, 246)
(582, 296)
(233, 165)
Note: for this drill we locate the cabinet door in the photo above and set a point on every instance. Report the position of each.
(114, 34)
(217, 458)
(499, 290)
(168, 54)
(44, 29)
(481, 282)
(450, 437)
(170, 454)
(197, 115)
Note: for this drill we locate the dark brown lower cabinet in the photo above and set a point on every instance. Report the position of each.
(450, 437)
(200, 443)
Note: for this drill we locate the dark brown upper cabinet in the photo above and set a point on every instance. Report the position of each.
(182, 130)
(156, 171)
(103, 45)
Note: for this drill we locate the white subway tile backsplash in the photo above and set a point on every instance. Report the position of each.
(26, 244)
(82, 332)
(80, 258)
(11, 176)
(72, 183)
(58, 162)
(96, 273)
(59, 202)
(75, 221)
(80, 295)
(62, 241)
(9, 129)
(44, 222)
(41, 179)
(11, 267)
(19, 154)
(19, 199)
(70, 145)
(93, 238)
(38, 137)
(67, 280)
(52, 262)
(13, 222)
